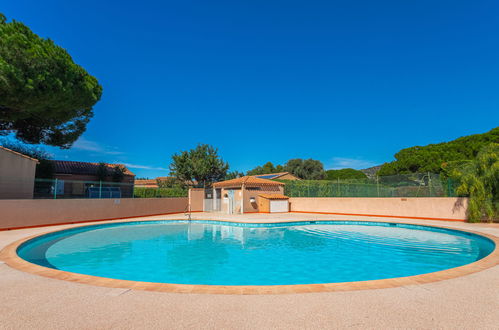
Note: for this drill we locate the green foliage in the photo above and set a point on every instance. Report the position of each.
(168, 182)
(178, 191)
(45, 168)
(267, 168)
(201, 164)
(118, 173)
(102, 172)
(44, 96)
(479, 180)
(344, 174)
(308, 169)
(233, 175)
(431, 157)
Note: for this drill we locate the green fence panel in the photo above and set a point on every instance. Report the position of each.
(407, 185)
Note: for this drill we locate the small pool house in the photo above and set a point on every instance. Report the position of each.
(248, 194)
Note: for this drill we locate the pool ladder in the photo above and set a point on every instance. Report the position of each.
(187, 212)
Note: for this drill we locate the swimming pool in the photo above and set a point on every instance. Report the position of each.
(223, 253)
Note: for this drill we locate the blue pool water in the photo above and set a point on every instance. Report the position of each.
(210, 252)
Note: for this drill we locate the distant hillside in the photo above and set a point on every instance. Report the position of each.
(431, 157)
(371, 172)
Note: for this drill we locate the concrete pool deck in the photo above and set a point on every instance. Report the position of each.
(32, 301)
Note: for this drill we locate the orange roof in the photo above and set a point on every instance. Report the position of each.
(147, 182)
(273, 196)
(247, 181)
(166, 178)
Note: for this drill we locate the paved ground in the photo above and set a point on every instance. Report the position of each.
(30, 301)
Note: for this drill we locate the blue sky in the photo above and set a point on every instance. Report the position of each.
(346, 82)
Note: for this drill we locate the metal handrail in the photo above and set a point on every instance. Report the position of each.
(187, 212)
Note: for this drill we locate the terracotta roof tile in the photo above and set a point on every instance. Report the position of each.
(248, 181)
(273, 196)
(84, 168)
(150, 183)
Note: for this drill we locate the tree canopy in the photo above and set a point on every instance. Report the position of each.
(44, 96)
(308, 169)
(233, 175)
(431, 157)
(344, 174)
(201, 164)
(267, 168)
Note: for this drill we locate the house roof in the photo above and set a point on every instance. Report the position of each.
(273, 176)
(248, 181)
(84, 168)
(148, 182)
(273, 196)
(166, 178)
(19, 154)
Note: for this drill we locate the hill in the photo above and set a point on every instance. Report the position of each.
(371, 172)
(431, 157)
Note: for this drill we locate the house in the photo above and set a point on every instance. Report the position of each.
(146, 183)
(171, 179)
(82, 179)
(160, 181)
(242, 195)
(277, 176)
(17, 175)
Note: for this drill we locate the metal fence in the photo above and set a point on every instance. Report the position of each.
(406, 185)
(65, 189)
(409, 185)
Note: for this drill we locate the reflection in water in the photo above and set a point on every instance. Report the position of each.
(248, 237)
(183, 260)
(200, 253)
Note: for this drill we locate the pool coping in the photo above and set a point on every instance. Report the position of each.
(10, 257)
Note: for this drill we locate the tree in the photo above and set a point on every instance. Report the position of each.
(169, 182)
(479, 179)
(267, 168)
(234, 175)
(118, 173)
(308, 169)
(344, 174)
(431, 157)
(256, 171)
(45, 168)
(44, 96)
(102, 171)
(201, 164)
